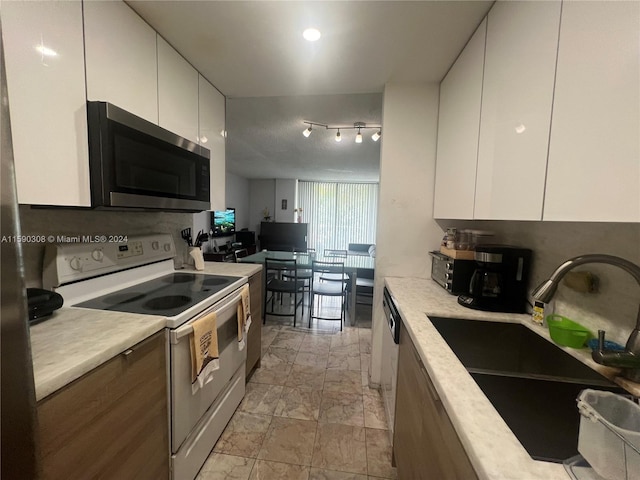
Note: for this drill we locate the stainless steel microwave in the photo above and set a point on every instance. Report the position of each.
(136, 164)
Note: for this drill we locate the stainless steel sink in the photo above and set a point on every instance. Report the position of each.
(532, 383)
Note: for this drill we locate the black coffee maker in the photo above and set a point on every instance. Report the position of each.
(500, 281)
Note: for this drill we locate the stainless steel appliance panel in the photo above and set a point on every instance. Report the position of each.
(136, 164)
(452, 274)
(19, 459)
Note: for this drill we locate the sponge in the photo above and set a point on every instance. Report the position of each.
(584, 282)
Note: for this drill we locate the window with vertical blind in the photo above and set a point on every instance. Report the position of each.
(338, 213)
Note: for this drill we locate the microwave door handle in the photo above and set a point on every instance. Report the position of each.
(187, 328)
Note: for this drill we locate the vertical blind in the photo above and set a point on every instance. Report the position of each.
(338, 213)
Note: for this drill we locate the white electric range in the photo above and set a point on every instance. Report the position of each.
(137, 275)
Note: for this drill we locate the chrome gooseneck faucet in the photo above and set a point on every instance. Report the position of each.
(629, 359)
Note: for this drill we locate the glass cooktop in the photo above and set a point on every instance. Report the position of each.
(168, 296)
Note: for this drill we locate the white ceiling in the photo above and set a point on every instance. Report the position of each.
(256, 49)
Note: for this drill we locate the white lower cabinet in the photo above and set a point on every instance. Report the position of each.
(43, 43)
(594, 152)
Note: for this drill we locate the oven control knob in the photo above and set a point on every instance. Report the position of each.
(167, 247)
(155, 245)
(75, 263)
(97, 255)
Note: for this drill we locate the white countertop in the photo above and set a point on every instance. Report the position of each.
(493, 449)
(74, 341)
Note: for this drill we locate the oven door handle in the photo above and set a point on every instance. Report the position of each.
(187, 328)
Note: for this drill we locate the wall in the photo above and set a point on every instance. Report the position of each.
(40, 221)
(406, 229)
(615, 307)
(262, 194)
(237, 190)
(285, 190)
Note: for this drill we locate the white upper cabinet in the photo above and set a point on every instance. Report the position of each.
(212, 136)
(517, 95)
(45, 79)
(594, 154)
(177, 93)
(121, 58)
(458, 125)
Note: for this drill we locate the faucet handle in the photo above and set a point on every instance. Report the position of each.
(601, 340)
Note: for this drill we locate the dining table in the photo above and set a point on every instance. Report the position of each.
(353, 264)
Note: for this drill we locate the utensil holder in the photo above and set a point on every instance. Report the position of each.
(198, 258)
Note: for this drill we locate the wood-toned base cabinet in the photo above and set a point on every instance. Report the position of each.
(254, 336)
(425, 444)
(111, 423)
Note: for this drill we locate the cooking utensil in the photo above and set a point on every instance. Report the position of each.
(186, 236)
(201, 238)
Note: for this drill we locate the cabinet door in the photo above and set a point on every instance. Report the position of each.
(45, 79)
(594, 153)
(177, 93)
(111, 422)
(212, 135)
(458, 125)
(425, 443)
(517, 94)
(254, 336)
(121, 58)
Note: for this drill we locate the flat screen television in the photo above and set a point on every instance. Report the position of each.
(223, 222)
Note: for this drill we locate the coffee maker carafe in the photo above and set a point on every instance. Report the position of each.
(500, 280)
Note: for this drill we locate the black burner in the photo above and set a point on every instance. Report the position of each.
(168, 302)
(179, 278)
(168, 295)
(120, 298)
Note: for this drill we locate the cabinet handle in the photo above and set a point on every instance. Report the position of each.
(423, 370)
(128, 352)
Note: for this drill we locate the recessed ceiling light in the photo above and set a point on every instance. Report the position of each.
(311, 34)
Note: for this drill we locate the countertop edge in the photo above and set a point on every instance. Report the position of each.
(58, 357)
(503, 457)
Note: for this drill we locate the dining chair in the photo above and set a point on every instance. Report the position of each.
(334, 277)
(327, 289)
(275, 283)
(304, 274)
(243, 252)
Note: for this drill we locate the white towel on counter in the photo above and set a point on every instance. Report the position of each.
(244, 317)
(204, 351)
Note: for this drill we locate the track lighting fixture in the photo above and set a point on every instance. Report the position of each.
(338, 138)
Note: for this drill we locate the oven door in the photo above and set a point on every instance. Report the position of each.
(134, 163)
(188, 408)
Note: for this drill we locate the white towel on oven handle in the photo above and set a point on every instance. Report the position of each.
(244, 317)
(204, 351)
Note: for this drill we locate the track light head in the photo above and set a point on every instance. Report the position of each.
(358, 137)
(376, 136)
(338, 137)
(307, 131)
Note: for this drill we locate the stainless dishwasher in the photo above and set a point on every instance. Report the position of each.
(389, 373)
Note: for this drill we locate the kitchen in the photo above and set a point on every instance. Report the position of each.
(407, 166)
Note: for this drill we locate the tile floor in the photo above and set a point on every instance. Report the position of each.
(308, 412)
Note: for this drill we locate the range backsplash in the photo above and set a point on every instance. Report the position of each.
(73, 222)
(615, 307)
